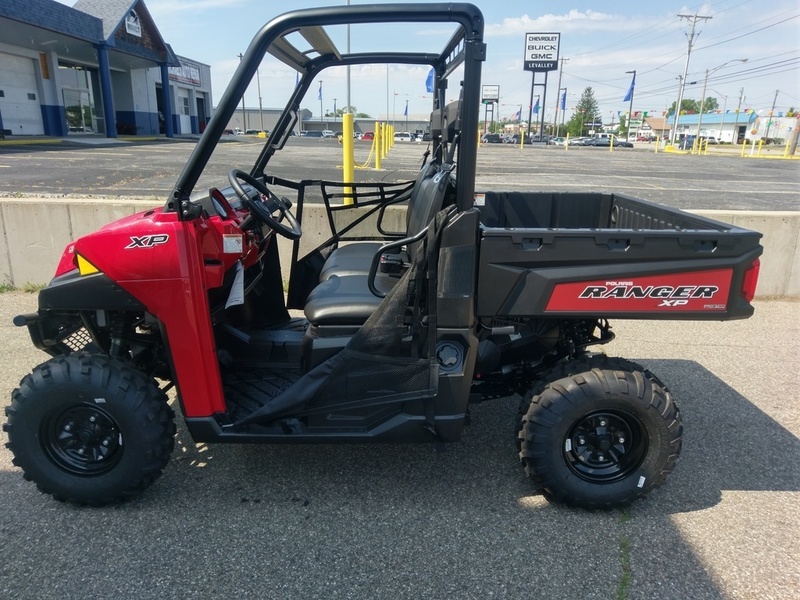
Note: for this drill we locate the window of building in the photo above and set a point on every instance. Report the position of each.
(185, 105)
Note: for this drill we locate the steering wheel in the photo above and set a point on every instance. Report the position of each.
(263, 209)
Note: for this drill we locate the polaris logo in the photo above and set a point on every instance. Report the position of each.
(671, 295)
(147, 241)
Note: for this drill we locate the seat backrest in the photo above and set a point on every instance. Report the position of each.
(431, 198)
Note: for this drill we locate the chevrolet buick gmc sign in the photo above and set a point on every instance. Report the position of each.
(541, 51)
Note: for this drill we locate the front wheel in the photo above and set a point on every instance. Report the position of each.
(89, 430)
(601, 438)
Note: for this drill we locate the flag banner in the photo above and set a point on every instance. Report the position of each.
(516, 115)
(564, 101)
(429, 80)
(405, 112)
(629, 95)
(536, 107)
(319, 94)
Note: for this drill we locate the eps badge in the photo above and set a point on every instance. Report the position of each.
(147, 241)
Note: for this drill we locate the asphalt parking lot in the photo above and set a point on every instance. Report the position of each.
(406, 521)
(142, 169)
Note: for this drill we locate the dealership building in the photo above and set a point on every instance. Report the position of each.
(96, 67)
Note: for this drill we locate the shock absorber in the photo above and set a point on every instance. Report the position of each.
(118, 327)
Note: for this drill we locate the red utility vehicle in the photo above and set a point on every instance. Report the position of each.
(485, 294)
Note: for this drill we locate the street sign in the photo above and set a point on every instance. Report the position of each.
(490, 93)
(541, 52)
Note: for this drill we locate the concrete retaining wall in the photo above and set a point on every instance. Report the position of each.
(35, 232)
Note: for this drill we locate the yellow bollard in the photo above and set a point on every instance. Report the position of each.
(566, 142)
(744, 147)
(760, 145)
(378, 145)
(348, 160)
(611, 145)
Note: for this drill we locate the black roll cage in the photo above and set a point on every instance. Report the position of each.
(465, 46)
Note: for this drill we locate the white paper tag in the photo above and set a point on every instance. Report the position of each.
(237, 290)
(480, 199)
(232, 243)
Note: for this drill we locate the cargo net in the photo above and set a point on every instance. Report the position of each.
(361, 218)
(391, 358)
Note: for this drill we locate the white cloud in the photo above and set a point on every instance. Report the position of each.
(574, 20)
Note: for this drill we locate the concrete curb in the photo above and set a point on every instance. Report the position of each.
(35, 232)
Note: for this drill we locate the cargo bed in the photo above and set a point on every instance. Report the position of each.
(593, 254)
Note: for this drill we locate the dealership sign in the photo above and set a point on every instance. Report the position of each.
(490, 93)
(541, 51)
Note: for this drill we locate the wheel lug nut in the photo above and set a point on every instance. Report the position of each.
(601, 457)
(621, 440)
(92, 419)
(602, 423)
(105, 442)
(67, 427)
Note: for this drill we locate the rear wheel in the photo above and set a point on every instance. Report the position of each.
(601, 437)
(90, 430)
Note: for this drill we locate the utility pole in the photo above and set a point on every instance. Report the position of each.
(691, 37)
(735, 138)
(771, 112)
(558, 94)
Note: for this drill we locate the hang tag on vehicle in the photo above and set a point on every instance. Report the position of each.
(237, 290)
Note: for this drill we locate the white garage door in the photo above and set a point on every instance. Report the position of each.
(19, 96)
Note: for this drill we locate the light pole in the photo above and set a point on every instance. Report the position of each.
(260, 107)
(630, 106)
(334, 111)
(244, 112)
(703, 96)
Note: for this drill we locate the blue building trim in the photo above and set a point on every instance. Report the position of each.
(166, 94)
(176, 124)
(105, 90)
(54, 119)
(195, 124)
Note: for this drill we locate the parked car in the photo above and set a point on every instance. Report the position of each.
(515, 139)
(605, 142)
(328, 133)
(687, 142)
(403, 136)
(578, 141)
(713, 141)
(559, 141)
(368, 135)
(491, 138)
(312, 134)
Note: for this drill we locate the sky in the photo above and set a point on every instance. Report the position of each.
(601, 40)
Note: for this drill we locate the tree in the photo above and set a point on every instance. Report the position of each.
(691, 107)
(344, 109)
(584, 114)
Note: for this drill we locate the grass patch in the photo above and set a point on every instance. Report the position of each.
(30, 288)
(624, 585)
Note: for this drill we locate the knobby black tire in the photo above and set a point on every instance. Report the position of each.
(84, 387)
(565, 368)
(631, 395)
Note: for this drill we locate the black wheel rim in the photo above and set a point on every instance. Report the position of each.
(605, 446)
(82, 439)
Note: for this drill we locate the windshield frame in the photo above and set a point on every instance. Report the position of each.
(464, 47)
